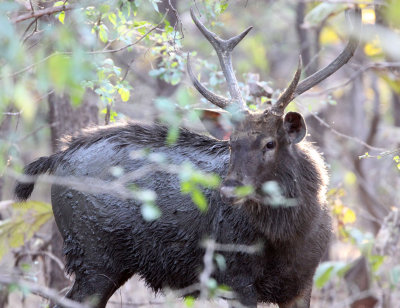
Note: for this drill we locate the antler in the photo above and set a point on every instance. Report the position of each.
(295, 89)
(288, 95)
(224, 50)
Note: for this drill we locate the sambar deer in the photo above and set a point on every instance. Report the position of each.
(106, 239)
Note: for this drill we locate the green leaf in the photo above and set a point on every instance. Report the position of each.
(326, 270)
(113, 19)
(376, 261)
(189, 301)
(103, 34)
(59, 3)
(200, 200)
(16, 239)
(61, 17)
(173, 134)
(323, 275)
(104, 8)
(27, 219)
(124, 93)
(244, 191)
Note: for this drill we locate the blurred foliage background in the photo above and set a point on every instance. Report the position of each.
(66, 65)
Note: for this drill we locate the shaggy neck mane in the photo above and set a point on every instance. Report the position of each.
(288, 223)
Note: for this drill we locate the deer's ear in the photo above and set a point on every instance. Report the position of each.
(213, 120)
(295, 126)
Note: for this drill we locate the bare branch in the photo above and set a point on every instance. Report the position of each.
(40, 13)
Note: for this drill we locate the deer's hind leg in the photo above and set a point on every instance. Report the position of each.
(95, 288)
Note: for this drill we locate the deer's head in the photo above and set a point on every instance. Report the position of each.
(263, 141)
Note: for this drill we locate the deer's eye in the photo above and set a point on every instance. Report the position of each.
(270, 145)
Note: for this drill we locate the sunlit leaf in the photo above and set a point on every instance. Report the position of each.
(349, 216)
(59, 3)
(113, 18)
(328, 36)
(373, 48)
(376, 261)
(350, 178)
(103, 35)
(124, 93)
(189, 301)
(16, 238)
(61, 17)
(368, 16)
(28, 218)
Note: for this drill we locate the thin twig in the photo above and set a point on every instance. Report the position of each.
(42, 291)
(27, 29)
(336, 132)
(27, 68)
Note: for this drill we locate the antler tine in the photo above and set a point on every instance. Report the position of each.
(223, 49)
(287, 96)
(217, 100)
(341, 60)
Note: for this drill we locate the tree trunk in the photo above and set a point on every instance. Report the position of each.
(396, 108)
(65, 120)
